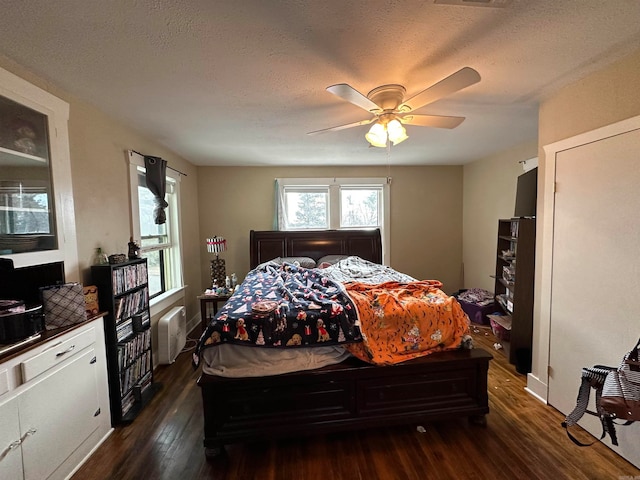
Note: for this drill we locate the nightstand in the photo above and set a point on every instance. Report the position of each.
(209, 307)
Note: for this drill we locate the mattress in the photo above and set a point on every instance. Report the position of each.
(235, 361)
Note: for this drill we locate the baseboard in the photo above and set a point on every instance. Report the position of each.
(536, 388)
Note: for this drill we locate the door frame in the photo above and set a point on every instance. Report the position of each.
(538, 379)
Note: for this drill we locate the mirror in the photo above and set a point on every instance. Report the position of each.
(27, 220)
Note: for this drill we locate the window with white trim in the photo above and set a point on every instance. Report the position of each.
(334, 204)
(159, 244)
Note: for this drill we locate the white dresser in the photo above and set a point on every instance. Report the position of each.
(54, 404)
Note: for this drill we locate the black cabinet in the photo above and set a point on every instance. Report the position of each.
(514, 285)
(123, 292)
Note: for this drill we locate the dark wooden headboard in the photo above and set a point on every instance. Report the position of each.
(267, 245)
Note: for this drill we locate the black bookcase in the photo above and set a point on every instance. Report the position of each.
(123, 292)
(514, 285)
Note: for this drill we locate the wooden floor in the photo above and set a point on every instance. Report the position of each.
(522, 440)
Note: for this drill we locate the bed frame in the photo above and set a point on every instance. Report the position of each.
(350, 395)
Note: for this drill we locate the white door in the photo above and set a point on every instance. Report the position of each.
(595, 289)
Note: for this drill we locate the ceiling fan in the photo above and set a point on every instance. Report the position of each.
(390, 110)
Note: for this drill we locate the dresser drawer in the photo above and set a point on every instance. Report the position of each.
(56, 354)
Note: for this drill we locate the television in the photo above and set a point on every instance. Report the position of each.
(527, 194)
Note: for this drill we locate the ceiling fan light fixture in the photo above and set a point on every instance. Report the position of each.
(377, 135)
(397, 133)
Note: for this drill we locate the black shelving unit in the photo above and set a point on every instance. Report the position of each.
(514, 289)
(123, 292)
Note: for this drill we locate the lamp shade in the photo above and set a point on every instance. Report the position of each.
(377, 135)
(380, 132)
(396, 131)
(216, 245)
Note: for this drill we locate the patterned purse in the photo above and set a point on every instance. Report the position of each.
(63, 305)
(621, 390)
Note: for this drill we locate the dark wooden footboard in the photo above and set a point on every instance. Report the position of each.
(350, 395)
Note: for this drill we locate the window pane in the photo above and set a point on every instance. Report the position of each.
(146, 204)
(306, 209)
(360, 207)
(154, 264)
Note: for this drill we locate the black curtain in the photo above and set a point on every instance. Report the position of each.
(157, 182)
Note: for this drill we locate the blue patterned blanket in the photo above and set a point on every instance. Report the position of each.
(284, 306)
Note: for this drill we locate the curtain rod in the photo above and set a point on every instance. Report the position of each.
(170, 168)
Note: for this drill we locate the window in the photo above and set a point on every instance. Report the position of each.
(159, 244)
(306, 207)
(335, 203)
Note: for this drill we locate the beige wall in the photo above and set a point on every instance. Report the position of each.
(489, 194)
(100, 178)
(426, 214)
(605, 97)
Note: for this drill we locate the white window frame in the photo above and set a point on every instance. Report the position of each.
(174, 276)
(334, 184)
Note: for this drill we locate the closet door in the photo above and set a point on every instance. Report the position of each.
(595, 289)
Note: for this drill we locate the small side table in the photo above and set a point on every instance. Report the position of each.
(209, 307)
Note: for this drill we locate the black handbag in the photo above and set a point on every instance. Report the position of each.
(621, 390)
(617, 396)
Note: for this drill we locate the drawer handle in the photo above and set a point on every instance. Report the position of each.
(59, 354)
(28, 433)
(12, 446)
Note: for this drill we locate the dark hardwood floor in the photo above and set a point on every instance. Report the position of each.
(522, 440)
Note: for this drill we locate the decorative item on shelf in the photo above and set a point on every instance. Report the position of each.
(19, 243)
(217, 245)
(117, 258)
(91, 300)
(24, 136)
(100, 258)
(134, 249)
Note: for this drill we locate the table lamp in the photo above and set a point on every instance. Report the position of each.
(217, 245)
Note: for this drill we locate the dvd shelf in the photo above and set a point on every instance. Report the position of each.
(124, 293)
(514, 278)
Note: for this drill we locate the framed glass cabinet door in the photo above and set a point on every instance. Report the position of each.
(37, 220)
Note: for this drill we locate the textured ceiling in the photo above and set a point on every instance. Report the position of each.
(241, 82)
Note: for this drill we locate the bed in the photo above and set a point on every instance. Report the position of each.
(352, 386)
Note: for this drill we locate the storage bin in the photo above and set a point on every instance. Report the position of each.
(501, 326)
(478, 313)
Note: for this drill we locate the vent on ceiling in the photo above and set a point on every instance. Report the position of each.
(476, 3)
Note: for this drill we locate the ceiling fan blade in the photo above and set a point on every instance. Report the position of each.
(342, 127)
(350, 94)
(437, 121)
(454, 82)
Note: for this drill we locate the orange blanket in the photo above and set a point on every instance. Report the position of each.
(401, 321)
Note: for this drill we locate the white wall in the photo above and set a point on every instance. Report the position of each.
(489, 192)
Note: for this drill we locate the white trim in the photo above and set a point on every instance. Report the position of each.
(535, 395)
(536, 388)
(538, 380)
(135, 161)
(160, 303)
